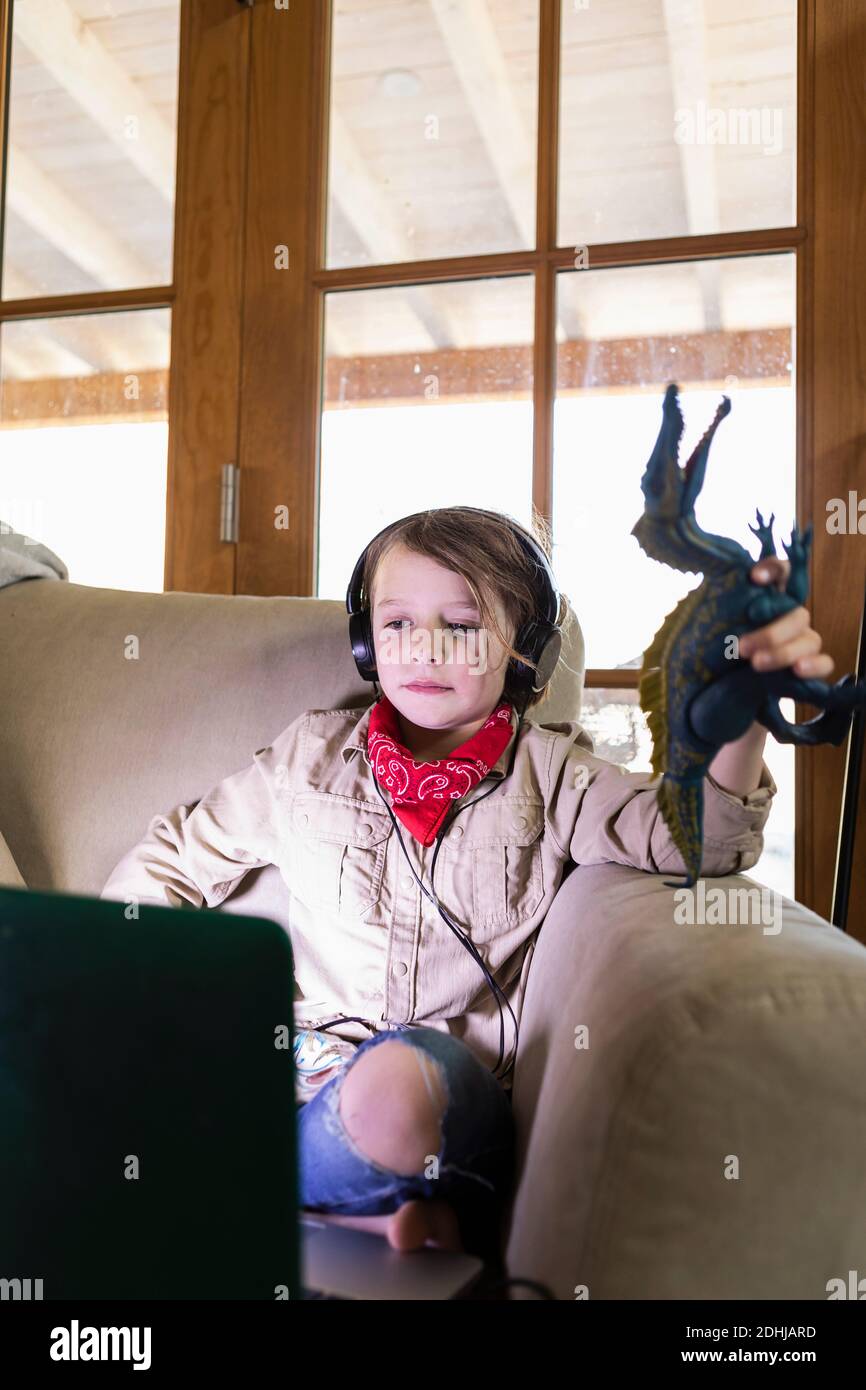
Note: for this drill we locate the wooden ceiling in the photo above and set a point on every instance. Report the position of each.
(432, 153)
(434, 123)
(90, 178)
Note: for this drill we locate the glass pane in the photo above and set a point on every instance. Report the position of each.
(92, 136)
(676, 119)
(432, 129)
(716, 328)
(635, 331)
(427, 403)
(84, 426)
(618, 727)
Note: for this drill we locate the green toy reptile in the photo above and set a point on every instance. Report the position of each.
(695, 689)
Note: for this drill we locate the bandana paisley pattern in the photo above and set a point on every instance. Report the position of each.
(421, 793)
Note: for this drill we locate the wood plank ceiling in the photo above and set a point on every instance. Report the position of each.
(90, 184)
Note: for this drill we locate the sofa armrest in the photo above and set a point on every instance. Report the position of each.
(706, 1136)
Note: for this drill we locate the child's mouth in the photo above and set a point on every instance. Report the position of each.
(427, 688)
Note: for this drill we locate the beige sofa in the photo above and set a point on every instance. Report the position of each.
(711, 1139)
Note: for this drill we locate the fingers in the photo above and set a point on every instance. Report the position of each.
(789, 641)
(783, 652)
(820, 666)
(782, 630)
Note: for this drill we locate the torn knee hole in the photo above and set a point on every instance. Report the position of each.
(392, 1108)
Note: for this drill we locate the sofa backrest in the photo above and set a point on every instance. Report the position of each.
(117, 705)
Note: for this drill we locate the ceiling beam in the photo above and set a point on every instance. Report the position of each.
(369, 211)
(476, 55)
(81, 65)
(624, 366)
(686, 33)
(78, 62)
(68, 225)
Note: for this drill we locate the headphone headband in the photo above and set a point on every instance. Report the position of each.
(540, 637)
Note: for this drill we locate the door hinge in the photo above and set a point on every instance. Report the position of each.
(231, 480)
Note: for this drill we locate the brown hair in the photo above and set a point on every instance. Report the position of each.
(486, 552)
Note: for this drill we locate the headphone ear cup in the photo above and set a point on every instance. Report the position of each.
(543, 643)
(363, 650)
(547, 660)
(522, 675)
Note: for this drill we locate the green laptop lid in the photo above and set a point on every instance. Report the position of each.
(147, 1113)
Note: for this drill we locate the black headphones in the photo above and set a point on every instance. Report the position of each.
(540, 637)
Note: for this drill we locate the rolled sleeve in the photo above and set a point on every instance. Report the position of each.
(734, 825)
(733, 829)
(616, 818)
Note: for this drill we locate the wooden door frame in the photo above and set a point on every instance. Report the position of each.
(282, 326)
(831, 377)
(208, 302)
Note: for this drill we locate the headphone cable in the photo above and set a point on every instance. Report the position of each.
(500, 1285)
(449, 921)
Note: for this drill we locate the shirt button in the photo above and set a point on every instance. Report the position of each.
(365, 829)
(408, 881)
(520, 823)
(457, 832)
(400, 967)
(303, 818)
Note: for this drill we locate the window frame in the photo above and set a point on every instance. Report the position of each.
(247, 390)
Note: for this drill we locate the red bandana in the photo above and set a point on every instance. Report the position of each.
(421, 793)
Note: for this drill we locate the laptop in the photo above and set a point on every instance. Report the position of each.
(148, 1144)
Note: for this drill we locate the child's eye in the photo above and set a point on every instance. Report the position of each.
(466, 627)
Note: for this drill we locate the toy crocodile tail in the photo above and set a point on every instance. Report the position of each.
(659, 703)
(681, 803)
(682, 807)
(680, 795)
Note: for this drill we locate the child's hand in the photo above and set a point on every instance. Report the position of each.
(789, 640)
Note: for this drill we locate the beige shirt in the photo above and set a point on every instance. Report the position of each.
(366, 941)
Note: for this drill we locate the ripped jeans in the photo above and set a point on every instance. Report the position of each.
(474, 1168)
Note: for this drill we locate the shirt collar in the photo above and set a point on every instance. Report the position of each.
(357, 743)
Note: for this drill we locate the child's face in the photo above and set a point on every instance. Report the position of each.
(420, 613)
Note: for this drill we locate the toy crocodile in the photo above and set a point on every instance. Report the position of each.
(695, 689)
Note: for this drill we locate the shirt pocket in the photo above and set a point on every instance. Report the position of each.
(336, 859)
(495, 873)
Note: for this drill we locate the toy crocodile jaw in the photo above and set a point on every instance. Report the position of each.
(696, 467)
(670, 491)
(661, 483)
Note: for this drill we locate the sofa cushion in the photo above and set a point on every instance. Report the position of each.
(10, 876)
